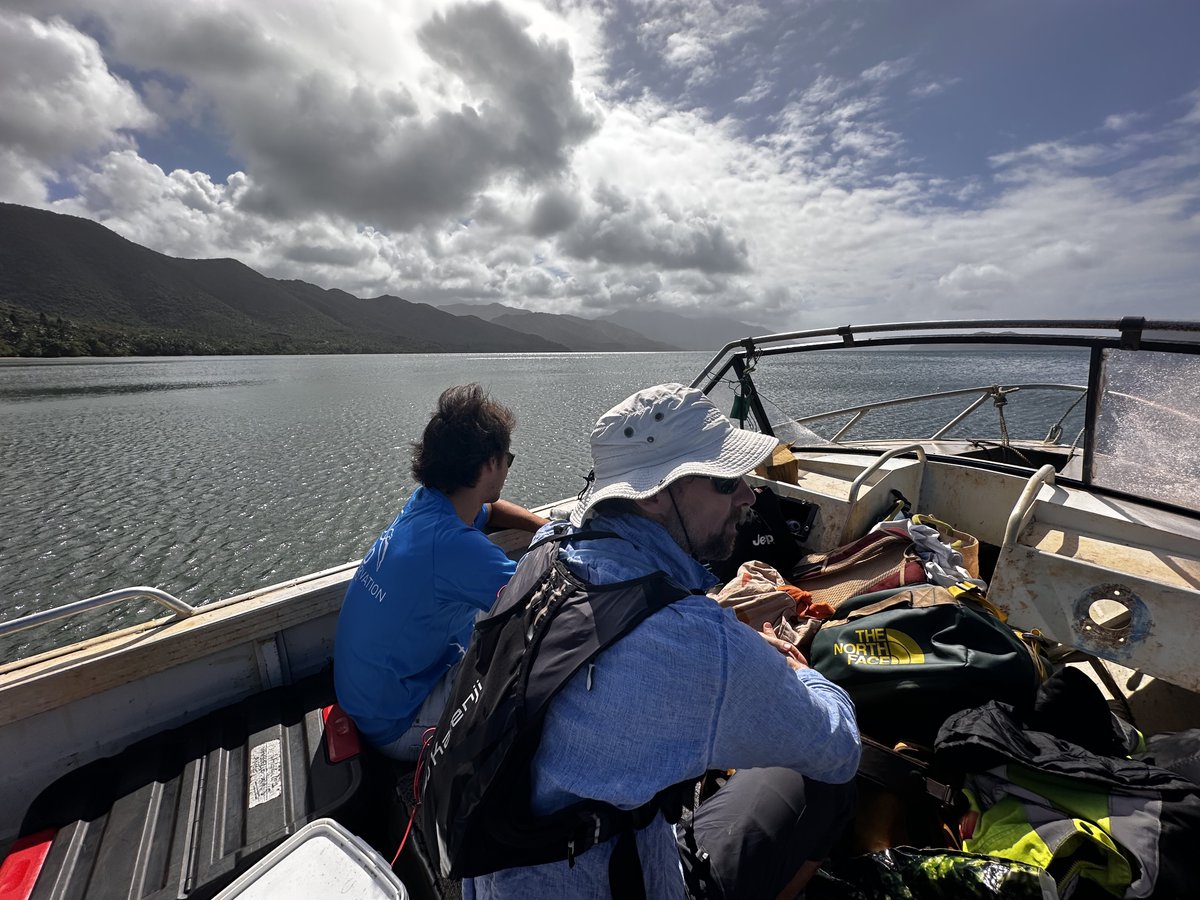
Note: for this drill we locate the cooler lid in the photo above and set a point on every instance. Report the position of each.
(320, 860)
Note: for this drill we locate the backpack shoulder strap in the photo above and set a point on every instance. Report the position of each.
(581, 621)
(560, 533)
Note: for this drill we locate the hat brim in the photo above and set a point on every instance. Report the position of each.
(737, 452)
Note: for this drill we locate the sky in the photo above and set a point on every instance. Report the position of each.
(792, 164)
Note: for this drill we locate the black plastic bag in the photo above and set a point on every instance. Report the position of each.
(908, 873)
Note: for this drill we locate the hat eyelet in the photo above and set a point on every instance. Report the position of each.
(658, 417)
(628, 431)
(650, 439)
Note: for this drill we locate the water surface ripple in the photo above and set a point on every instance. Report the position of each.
(207, 477)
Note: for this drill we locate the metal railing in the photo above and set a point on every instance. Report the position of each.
(865, 475)
(1128, 332)
(181, 608)
(1021, 511)
(996, 393)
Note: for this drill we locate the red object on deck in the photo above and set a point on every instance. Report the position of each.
(21, 867)
(341, 737)
(967, 824)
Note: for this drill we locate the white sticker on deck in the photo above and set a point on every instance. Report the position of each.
(266, 773)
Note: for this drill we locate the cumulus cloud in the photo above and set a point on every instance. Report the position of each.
(634, 231)
(1059, 155)
(518, 151)
(327, 118)
(338, 143)
(554, 211)
(976, 278)
(58, 101)
(837, 127)
(23, 180)
(1192, 117)
(932, 88)
(1120, 122)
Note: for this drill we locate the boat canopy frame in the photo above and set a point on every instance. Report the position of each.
(1131, 333)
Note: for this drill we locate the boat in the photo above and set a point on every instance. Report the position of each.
(212, 719)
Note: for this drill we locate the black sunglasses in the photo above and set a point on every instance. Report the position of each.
(725, 485)
(510, 456)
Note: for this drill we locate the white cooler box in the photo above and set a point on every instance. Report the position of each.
(319, 861)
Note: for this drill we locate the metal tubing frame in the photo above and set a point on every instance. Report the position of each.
(971, 407)
(1024, 505)
(760, 413)
(874, 467)
(1091, 414)
(181, 608)
(986, 391)
(943, 333)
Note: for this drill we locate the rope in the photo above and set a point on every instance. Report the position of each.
(1055, 431)
(426, 738)
(1001, 401)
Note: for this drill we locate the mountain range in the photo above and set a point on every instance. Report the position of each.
(71, 287)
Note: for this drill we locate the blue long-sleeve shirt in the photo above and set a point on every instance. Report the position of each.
(690, 689)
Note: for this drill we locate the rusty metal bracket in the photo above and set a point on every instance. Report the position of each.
(1115, 637)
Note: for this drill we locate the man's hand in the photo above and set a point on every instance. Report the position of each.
(795, 659)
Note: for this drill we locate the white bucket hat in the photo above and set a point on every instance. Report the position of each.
(660, 435)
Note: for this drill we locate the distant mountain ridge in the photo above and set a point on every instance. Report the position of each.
(687, 332)
(577, 333)
(663, 329)
(71, 287)
(485, 311)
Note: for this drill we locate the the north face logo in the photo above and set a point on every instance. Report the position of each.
(880, 647)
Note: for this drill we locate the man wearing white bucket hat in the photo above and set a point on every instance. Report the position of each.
(689, 689)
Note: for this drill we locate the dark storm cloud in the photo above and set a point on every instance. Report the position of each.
(529, 83)
(362, 152)
(327, 255)
(554, 211)
(227, 43)
(627, 231)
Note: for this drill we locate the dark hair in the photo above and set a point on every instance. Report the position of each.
(467, 430)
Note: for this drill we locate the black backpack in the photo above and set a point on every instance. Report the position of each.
(545, 627)
(773, 532)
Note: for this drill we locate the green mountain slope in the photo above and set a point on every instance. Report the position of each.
(69, 286)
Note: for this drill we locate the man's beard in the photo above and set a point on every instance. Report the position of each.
(719, 546)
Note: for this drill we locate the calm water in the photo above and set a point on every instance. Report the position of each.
(207, 477)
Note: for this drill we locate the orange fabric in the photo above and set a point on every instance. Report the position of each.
(759, 594)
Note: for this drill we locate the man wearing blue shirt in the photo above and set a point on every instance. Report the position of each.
(688, 690)
(410, 608)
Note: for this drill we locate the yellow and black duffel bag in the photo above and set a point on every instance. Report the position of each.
(912, 656)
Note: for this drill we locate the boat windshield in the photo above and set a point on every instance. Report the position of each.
(915, 393)
(1139, 435)
(1148, 426)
